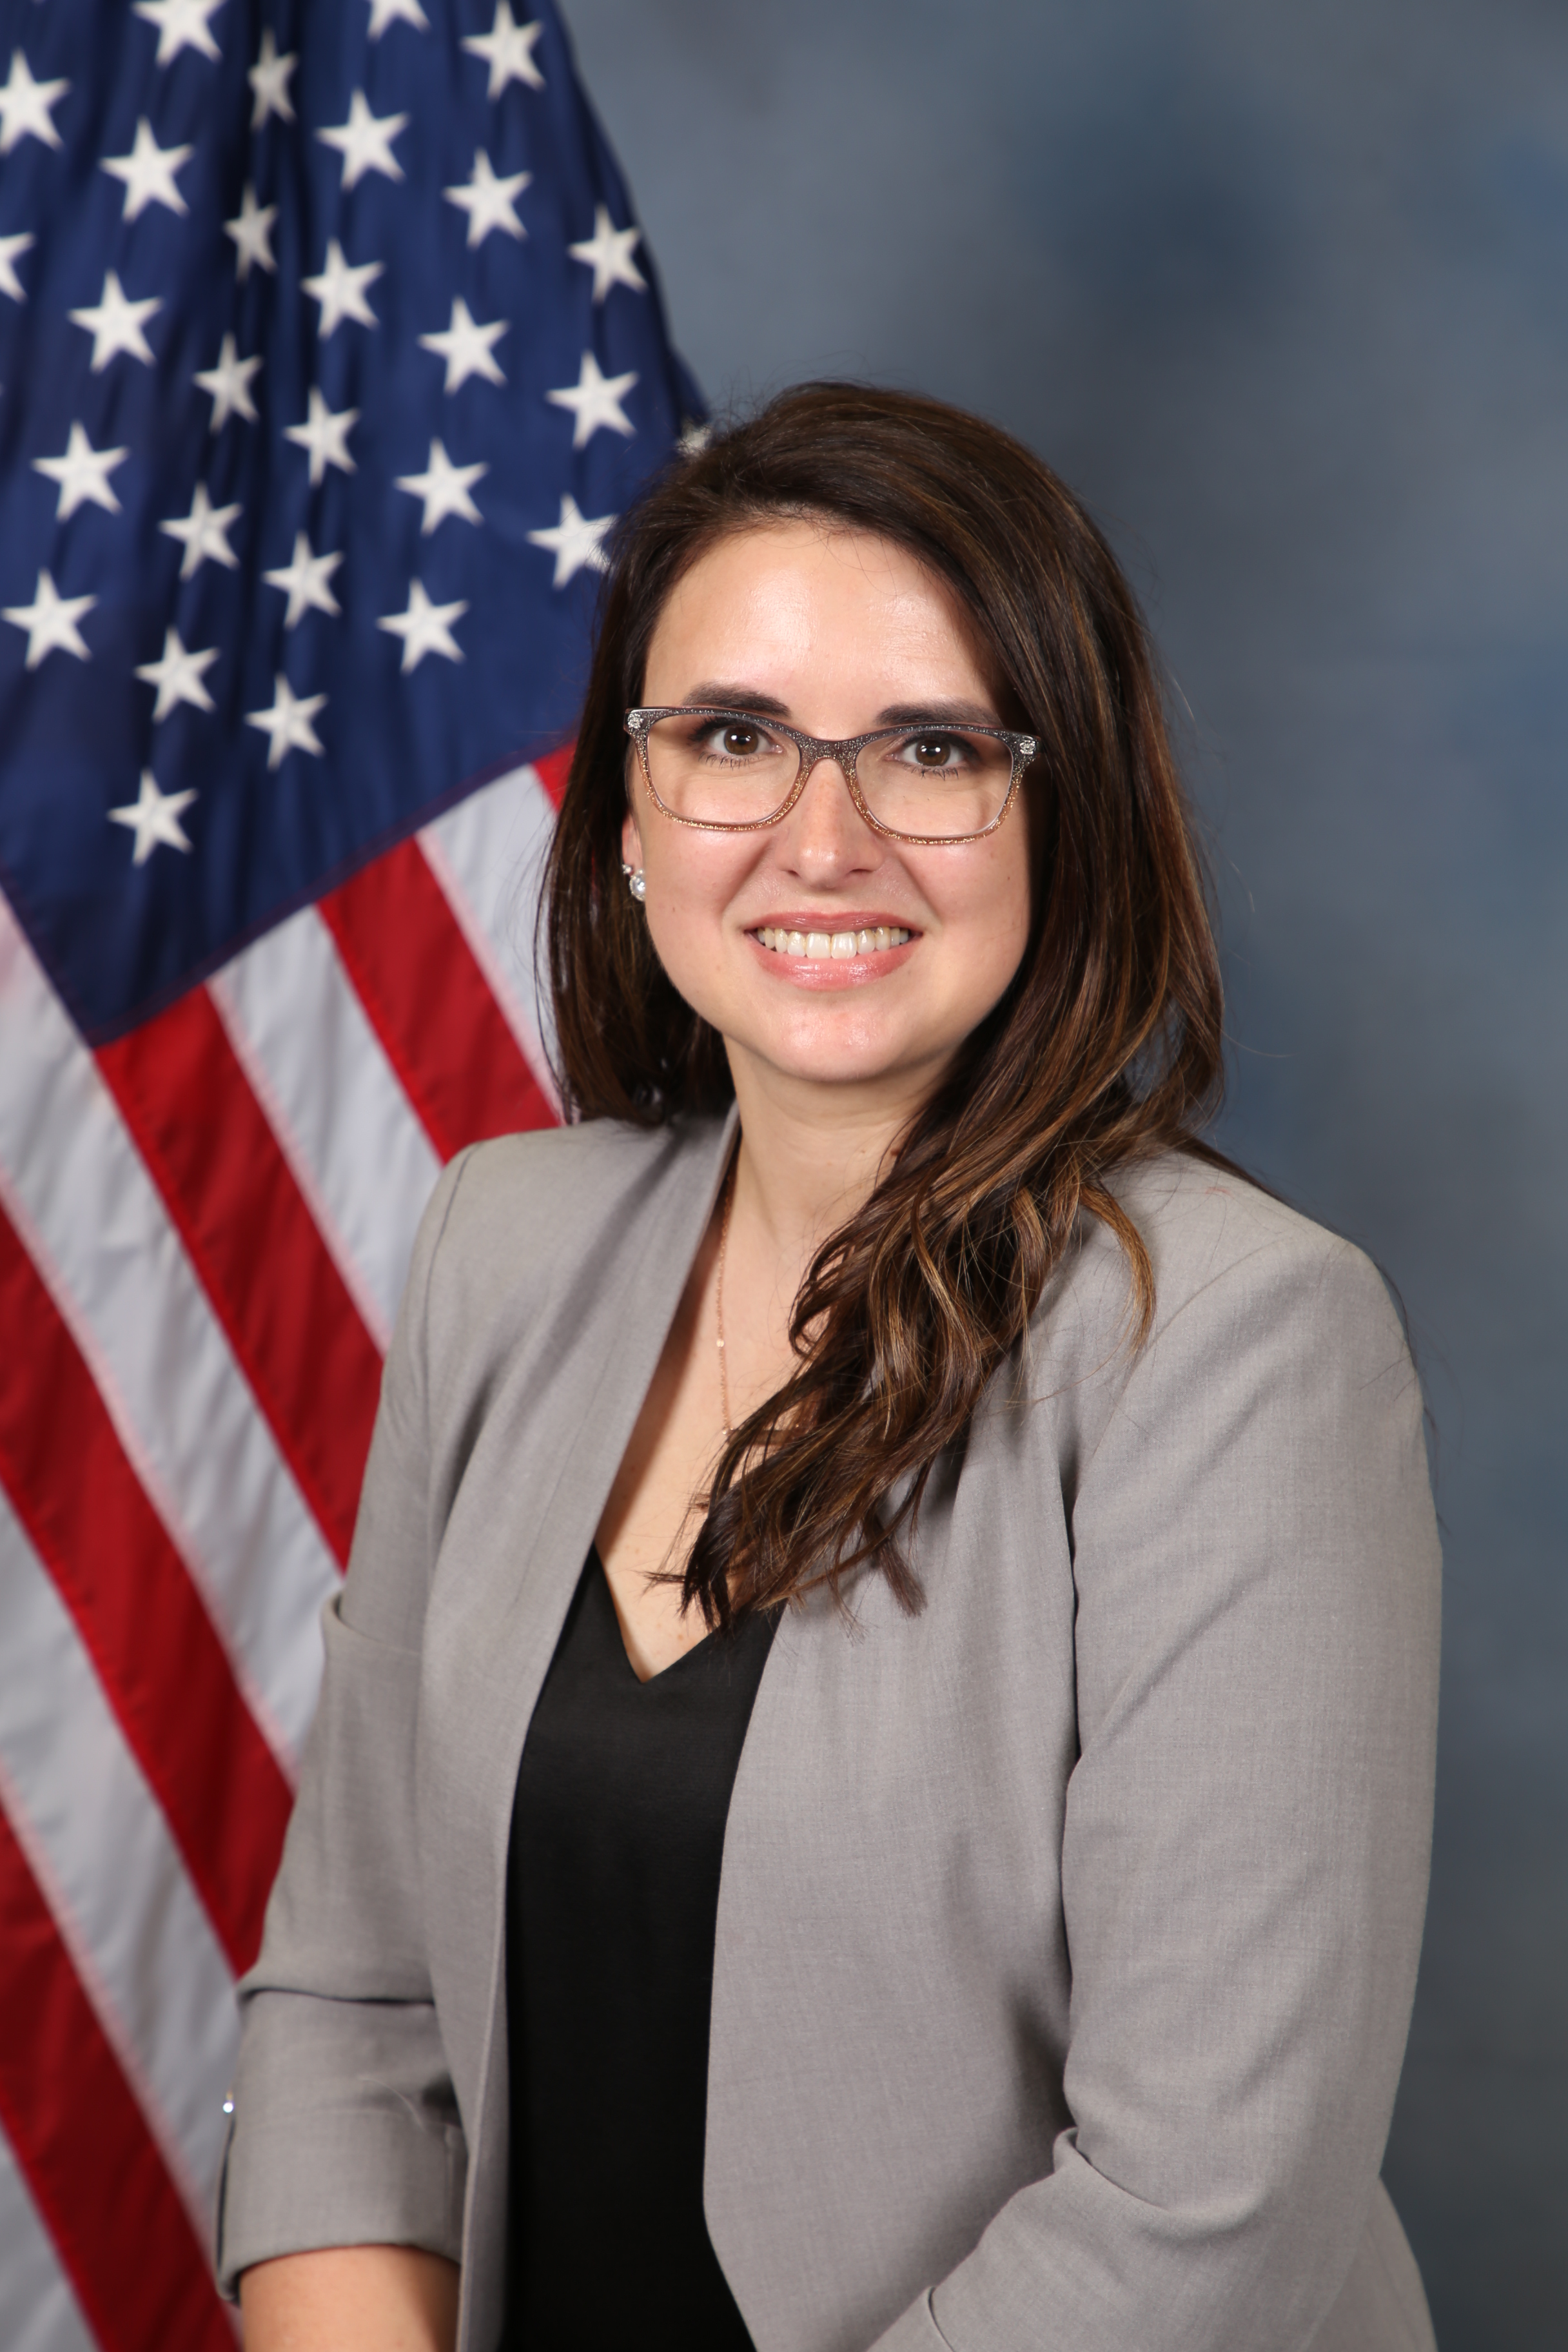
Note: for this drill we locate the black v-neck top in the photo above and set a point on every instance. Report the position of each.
(617, 1832)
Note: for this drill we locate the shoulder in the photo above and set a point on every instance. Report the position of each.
(1234, 1272)
(1206, 1228)
(509, 1218)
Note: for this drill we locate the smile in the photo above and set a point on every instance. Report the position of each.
(822, 947)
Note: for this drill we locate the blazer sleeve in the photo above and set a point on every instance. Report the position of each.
(344, 2128)
(1246, 1833)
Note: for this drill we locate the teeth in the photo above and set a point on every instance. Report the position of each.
(819, 947)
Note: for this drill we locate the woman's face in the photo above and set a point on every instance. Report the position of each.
(835, 632)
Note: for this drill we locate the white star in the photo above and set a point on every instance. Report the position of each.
(508, 49)
(305, 581)
(181, 25)
(82, 475)
(340, 290)
(467, 348)
(229, 384)
(148, 172)
(204, 533)
(50, 621)
(608, 254)
(425, 628)
(383, 13)
(251, 229)
(444, 488)
(575, 542)
(364, 142)
(693, 437)
(115, 324)
(269, 77)
(178, 676)
(24, 106)
(288, 724)
(10, 246)
(594, 400)
(326, 437)
(154, 818)
(488, 201)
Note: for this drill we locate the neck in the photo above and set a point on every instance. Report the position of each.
(811, 1154)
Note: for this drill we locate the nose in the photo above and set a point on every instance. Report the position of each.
(825, 836)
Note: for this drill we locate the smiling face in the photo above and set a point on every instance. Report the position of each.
(835, 632)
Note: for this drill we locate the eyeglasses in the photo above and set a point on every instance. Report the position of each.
(730, 771)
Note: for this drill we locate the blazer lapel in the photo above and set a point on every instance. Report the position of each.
(556, 1423)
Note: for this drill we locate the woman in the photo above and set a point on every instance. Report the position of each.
(875, 1448)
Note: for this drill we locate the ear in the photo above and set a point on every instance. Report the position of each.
(631, 843)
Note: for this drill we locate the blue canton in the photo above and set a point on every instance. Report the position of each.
(328, 353)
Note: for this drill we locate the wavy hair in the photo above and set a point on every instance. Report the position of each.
(1105, 1049)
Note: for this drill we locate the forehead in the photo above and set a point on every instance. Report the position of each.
(782, 596)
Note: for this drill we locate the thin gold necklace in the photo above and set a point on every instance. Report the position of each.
(723, 1246)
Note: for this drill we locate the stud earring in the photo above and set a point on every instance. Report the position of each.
(635, 883)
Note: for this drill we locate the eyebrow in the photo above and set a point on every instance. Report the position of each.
(723, 694)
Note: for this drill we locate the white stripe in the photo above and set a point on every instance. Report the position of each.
(74, 1184)
(358, 1151)
(39, 2311)
(487, 855)
(98, 1844)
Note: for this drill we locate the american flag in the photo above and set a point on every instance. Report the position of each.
(328, 352)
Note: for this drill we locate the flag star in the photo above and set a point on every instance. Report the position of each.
(489, 202)
(444, 488)
(383, 13)
(154, 818)
(364, 142)
(425, 628)
(269, 77)
(178, 676)
(229, 384)
(251, 229)
(203, 533)
(287, 725)
(50, 621)
(10, 246)
(148, 172)
(508, 49)
(326, 437)
(694, 437)
(340, 290)
(467, 348)
(24, 106)
(115, 324)
(576, 541)
(181, 25)
(594, 400)
(608, 254)
(82, 475)
(304, 581)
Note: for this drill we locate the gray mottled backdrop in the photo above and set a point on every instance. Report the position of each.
(1284, 293)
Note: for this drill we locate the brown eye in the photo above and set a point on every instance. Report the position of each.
(931, 751)
(740, 742)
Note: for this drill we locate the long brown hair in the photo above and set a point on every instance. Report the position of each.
(1105, 1049)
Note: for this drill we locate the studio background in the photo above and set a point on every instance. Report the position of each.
(1284, 295)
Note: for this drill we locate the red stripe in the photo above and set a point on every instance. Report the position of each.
(431, 1005)
(553, 771)
(139, 1616)
(96, 2175)
(273, 1285)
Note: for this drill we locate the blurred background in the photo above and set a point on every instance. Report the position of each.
(1283, 294)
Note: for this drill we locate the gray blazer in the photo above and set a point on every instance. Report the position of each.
(1067, 1930)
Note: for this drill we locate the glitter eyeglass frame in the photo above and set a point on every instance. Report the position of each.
(812, 749)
